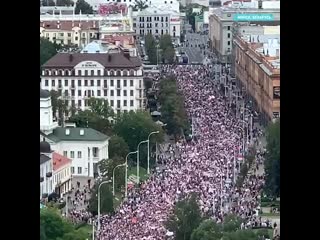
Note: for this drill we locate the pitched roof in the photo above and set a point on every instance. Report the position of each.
(116, 60)
(59, 161)
(59, 134)
(43, 158)
(69, 25)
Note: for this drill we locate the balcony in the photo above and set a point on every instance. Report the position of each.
(49, 174)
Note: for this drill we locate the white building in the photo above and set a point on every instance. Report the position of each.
(157, 20)
(114, 76)
(84, 146)
(61, 179)
(46, 187)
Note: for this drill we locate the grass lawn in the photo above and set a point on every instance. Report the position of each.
(142, 172)
(270, 215)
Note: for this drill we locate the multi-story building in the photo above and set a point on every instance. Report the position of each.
(222, 19)
(85, 147)
(257, 68)
(157, 21)
(114, 76)
(61, 179)
(46, 187)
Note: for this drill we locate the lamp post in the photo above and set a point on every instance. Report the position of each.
(138, 161)
(93, 230)
(113, 179)
(243, 145)
(99, 201)
(126, 174)
(148, 168)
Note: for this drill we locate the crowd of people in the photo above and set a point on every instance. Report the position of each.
(206, 165)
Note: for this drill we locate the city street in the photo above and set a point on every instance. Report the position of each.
(191, 47)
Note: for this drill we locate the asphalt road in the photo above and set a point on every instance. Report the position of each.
(193, 50)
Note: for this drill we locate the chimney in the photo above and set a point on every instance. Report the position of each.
(67, 131)
(94, 24)
(126, 53)
(70, 57)
(81, 132)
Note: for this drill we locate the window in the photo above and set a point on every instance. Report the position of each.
(118, 73)
(72, 154)
(124, 93)
(131, 72)
(72, 170)
(92, 72)
(111, 103)
(105, 92)
(140, 83)
(105, 83)
(118, 83)
(98, 93)
(166, 19)
(118, 93)
(86, 72)
(73, 102)
(65, 153)
(98, 83)
(125, 73)
(174, 28)
(53, 83)
(111, 83)
(228, 35)
(276, 92)
(91, 82)
(95, 152)
(79, 154)
(111, 93)
(79, 92)
(131, 93)
(46, 82)
(72, 92)
(229, 43)
(79, 103)
(98, 72)
(79, 170)
(118, 103)
(131, 103)
(65, 83)
(79, 83)
(229, 28)
(72, 83)
(156, 30)
(131, 83)
(124, 103)
(124, 83)
(86, 82)
(76, 38)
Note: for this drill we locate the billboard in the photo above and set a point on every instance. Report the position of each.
(247, 17)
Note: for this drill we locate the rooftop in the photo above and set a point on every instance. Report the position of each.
(108, 60)
(69, 25)
(76, 134)
(44, 158)
(59, 161)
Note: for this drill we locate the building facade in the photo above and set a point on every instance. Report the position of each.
(221, 26)
(61, 179)
(46, 164)
(257, 67)
(114, 76)
(157, 21)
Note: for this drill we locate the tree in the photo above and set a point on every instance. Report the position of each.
(135, 127)
(48, 3)
(100, 107)
(47, 50)
(79, 234)
(106, 199)
(140, 5)
(52, 224)
(151, 48)
(231, 223)
(118, 147)
(167, 48)
(168, 55)
(54, 101)
(207, 230)
(240, 235)
(185, 218)
(84, 7)
(272, 160)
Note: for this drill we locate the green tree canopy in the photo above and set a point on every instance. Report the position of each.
(47, 50)
(272, 160)
(106, 198)
(207, 230)
(167, 48)
(240, 235)
(140, 5)
(151, 48)
(48, 3)
(65, 3)
(185, 218)
(84, 7)
(118, 147)
(231, 223)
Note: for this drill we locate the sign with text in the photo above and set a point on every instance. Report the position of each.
(253, 17)
(89, 65)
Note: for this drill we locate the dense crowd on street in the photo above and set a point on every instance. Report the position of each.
(206, 166)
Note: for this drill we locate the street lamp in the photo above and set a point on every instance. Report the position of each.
(126, 174)
(113, 179)
(138, 161)
(99, 201)
(148, 168)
